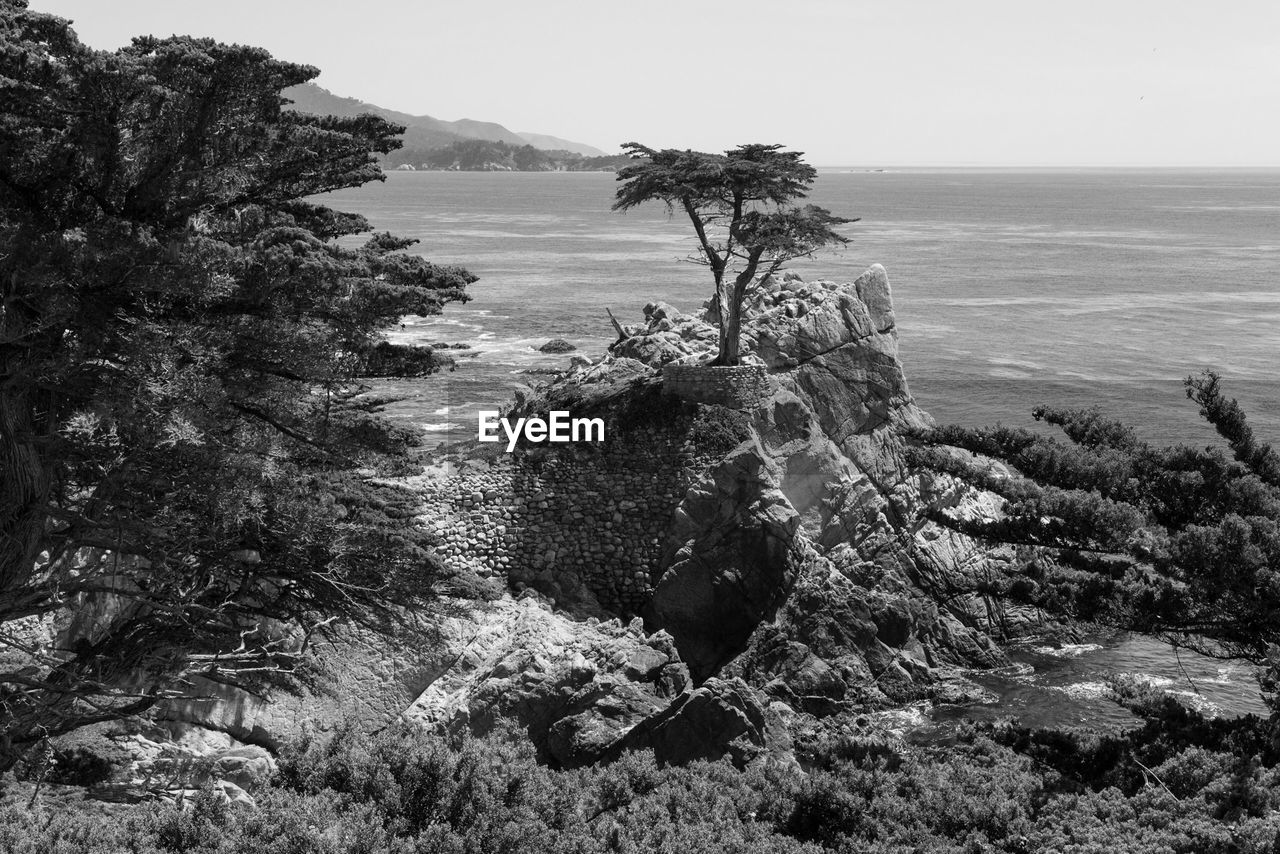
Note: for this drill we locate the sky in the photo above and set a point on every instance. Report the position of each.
(849, 82)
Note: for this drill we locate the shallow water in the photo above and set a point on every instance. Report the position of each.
(1067, 685)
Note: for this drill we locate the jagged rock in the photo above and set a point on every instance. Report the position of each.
(654, 348)
(722, 717)
(247, 767)
(166, 764)
(657, 312)
(576, 687)
(557, 345)
(827, 470)
(731, 565)
(644, 662)
(809, 524)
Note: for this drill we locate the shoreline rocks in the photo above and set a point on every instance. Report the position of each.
(557, 345)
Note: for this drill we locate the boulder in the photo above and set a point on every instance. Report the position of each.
(723, 717)
(248, 767)
(575, 687)
(557, 345)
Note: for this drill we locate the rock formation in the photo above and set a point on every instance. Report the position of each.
(706, 581)
(780, 551)
(557, 345)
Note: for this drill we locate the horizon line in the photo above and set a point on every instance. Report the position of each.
(1048, 166)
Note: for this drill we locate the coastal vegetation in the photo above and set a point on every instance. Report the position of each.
(741, 205)
(185, 451)
(482, 155)
(1178, 542)
(1178, 784)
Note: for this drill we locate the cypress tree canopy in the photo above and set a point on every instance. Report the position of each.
(183, 451)
(1179, 542)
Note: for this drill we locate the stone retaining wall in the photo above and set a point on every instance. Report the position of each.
(576, 522)
(737, 386)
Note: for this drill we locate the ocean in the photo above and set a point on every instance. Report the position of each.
(1012, 288)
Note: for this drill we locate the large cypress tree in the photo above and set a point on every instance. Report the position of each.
(184, 461)
(742, 206)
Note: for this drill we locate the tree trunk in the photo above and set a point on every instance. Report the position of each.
(25, 484)
(730, 334)
(731, 314)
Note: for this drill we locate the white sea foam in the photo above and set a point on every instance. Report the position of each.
(1019, 670)
(1226, 675)
(1199, 702)
(899, 721)
(1085, 690)
(1149, 679)
(1068, 650)
(442, 427)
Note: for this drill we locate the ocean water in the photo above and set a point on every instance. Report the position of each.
(1067, 685)
(1012, 288)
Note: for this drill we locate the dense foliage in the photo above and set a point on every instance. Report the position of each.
(185, 461)
(1177, 541)
(741, 205)
(1178, 784)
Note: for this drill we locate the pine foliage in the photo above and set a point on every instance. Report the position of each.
(185, 451)
(1175, 541)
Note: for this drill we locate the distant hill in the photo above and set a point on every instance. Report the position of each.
(426, 132)
(555, 143)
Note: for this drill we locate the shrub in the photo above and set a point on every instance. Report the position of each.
(1178, 784)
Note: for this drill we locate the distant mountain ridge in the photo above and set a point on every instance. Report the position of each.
(424, 132)
(554, 143)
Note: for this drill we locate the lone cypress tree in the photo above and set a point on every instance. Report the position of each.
(183, 452)
(742, 208)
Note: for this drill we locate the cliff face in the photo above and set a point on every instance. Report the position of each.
(706, 580)
(781, 546)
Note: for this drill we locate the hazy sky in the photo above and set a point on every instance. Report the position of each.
(850, 82)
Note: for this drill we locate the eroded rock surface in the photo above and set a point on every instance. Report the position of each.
(704, 582)
(786, 549)
(576, 687)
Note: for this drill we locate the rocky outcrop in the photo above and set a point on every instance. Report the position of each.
(575, 687)
(706, 579)
(723, 717)
(846, 611)
(557, 345)
(732, 557)
(791, 552)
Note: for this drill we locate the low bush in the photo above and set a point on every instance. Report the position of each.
(1178, 784)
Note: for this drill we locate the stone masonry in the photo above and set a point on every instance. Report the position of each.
(737, 386)
(581, 523)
